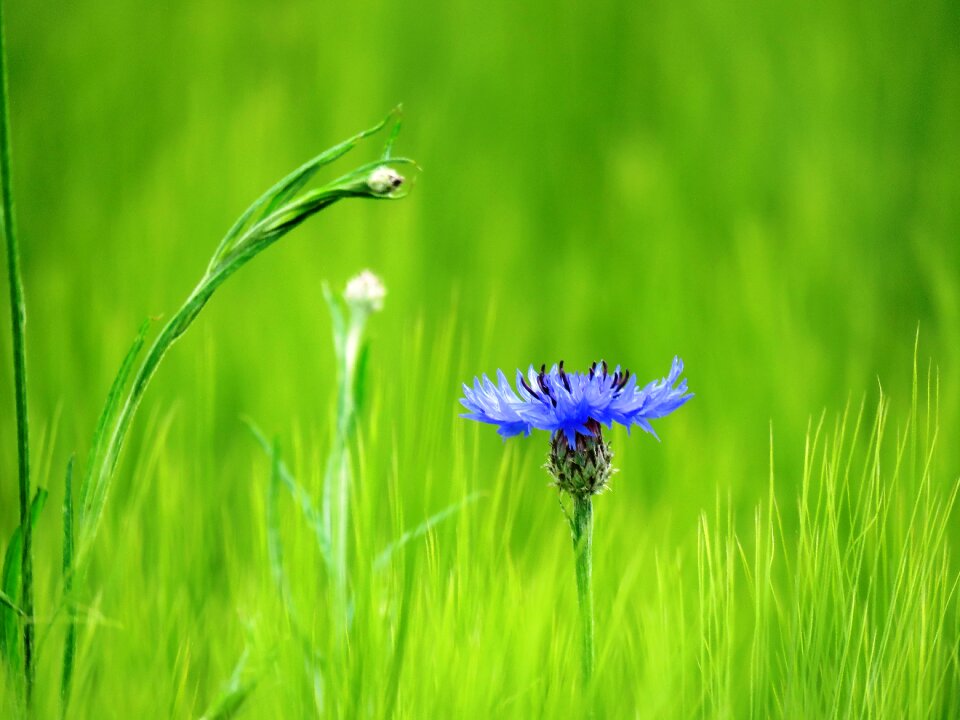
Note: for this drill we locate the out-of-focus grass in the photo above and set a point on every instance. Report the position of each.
(838, 601)
(770, 192)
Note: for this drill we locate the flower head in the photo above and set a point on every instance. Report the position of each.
(573, 407)
(384, 180)
(366, 292)
(573, 403)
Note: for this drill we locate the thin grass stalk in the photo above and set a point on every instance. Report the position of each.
(70, 641)
(176, 327)
(581, 524)
(350, 348)
(400, 642)
(18, 317)
(345, 417)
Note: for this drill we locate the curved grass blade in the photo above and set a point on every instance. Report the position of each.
(286, 217)
(253, 241)
(10, 587)
(234, 694)
(295, 182)
(297, 491)
(107, 415)
(314, 661)
(289, 186)
(383, 559)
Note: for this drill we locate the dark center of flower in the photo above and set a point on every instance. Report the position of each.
(595, 428)
(620, 377)
(546, 392)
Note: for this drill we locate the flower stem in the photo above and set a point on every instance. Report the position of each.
(582, 527)
(18, 317)
(348, 342)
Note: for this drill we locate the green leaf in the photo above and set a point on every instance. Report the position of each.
(10, 587)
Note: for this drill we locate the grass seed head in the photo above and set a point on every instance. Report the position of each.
(384, 180)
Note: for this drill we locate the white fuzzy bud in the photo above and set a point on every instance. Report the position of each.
(365, 292)
(384, 180)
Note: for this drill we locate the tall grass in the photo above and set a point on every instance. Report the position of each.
(769, 190)
(835, 600)
(282, 208)
(846, 604)
(278, 211)
(839, 601)
(20, 568)
(347, 564)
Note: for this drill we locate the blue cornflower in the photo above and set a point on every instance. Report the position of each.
(573, 408)
(572, 404)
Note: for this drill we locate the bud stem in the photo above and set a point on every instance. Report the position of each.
(581, 525)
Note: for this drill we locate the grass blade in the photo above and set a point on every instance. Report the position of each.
(70, 642)
(107, 415)
(274, 543)
(297, 491)
(234, 694)
(288, 187)
(18, 318)
(383, 559)
(388, 148)
(11, 586)
(225, 263)
(400, 643)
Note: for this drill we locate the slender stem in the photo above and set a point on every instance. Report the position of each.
(19, 318)
(582, 526)
(346, 415)
(342, 521)
(70, 641)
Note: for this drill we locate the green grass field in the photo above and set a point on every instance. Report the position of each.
(770, 191)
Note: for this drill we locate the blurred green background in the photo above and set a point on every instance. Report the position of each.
(770, 191)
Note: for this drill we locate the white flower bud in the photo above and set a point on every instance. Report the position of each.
(384, 180)
(365, 292)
